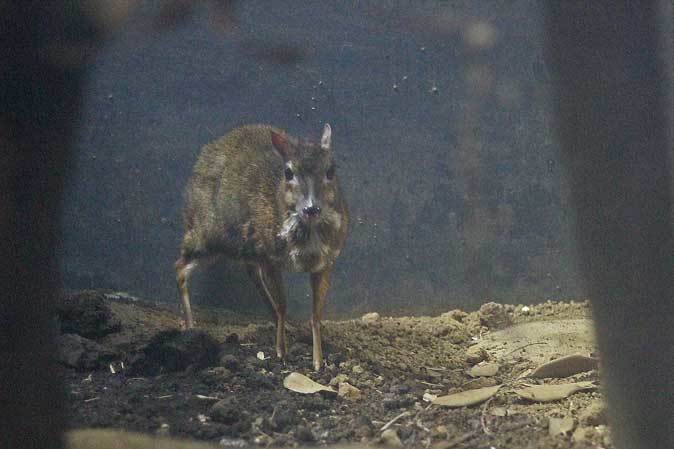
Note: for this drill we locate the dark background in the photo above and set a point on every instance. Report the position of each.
(441, 115)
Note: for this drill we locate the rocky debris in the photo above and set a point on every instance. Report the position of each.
(233, 442)
(304, 434)
(230, 362)
(390, 439)
(82, 353)
(348, 392)
(87, 313)
(455, 314)
(476, 354)
(338, 379)
(494, 315)
(560, 426)
(174, 350)
(592, 433)
(594, 414)
(370, 318)
(226, 411)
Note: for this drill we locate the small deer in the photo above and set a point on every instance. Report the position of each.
(272, 201)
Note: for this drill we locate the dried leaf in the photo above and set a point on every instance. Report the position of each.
(486, 369)
(498, 411)
(302, 384)
(560, 426)
(470, 397)
(548, 393)
(565, 366)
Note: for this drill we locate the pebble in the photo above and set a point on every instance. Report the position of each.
(389, 438)
(230, 362)
(225, 411)
(493, 315)
(560, 426)
(594, 414)
(232, 442)
(371, 317)
(348, 392)
(476, 354)
(338, 379)
(304, 433)
(357, 369)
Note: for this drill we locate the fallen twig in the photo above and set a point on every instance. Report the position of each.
(525, 346)
(483, 415)
(391, 422)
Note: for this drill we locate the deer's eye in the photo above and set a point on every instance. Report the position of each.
(289, 174)
(330, 173)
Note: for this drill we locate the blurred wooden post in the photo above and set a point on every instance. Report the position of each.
(614, 123)
(43, 47)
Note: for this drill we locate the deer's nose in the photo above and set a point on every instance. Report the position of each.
(312, 211)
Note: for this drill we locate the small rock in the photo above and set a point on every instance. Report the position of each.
(173, 350)
(338, 379)
(88, 314)
(348, 392)
(230, 362)
(400, 389)
(581, 434)
(215, 376)
(232, 442)
(389, 438)
(560, 426)
(428, 397)
(371, 317)
(456, 314)
(357, 369)
(441, 431)
(304, 433)
(493, 315)
(263, 440)
(81, 353)
(476, 354)
(226, 411)
(594, 414)
(393, 401)
(164, 430)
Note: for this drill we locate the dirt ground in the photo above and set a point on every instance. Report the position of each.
(129, 366)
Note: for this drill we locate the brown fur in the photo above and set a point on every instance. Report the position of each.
(238, 204)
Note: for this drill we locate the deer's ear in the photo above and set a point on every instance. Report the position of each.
(281, 145)
(327, 137)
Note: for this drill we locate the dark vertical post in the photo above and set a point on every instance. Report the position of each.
(612, 84)
(42, 50)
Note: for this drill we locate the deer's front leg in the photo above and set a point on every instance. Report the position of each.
(319, 284)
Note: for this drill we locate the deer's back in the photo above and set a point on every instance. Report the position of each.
(231, 198)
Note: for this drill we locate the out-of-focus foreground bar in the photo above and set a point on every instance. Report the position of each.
(612, 92)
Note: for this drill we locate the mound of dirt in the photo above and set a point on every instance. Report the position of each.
(222, 384)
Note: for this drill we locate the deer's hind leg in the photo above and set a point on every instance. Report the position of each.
(185, 266)
(269, 281)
